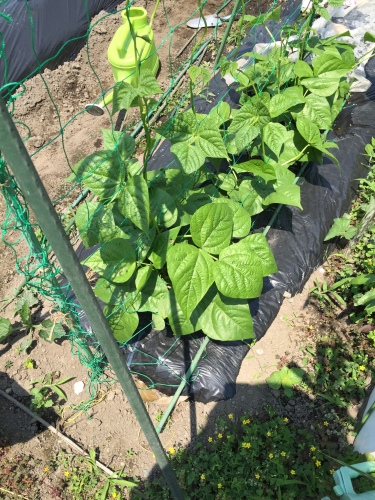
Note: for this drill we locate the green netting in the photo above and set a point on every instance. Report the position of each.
(102, 230)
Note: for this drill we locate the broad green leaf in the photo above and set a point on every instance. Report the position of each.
(25, 314)
(209, 139)
(303, 70)
(124, 144)
(296, 375)
(281, 103)
(257, 167)
(159, 250)
(250, 115)
(274, 380)
(274, 135)
(284, 176)
(322, 12)
(143, 274)
(191, 272)
(321, 86)
(158, 322)
(285, 194)
(241, 139)
(318, 111)
(115, 261)
(120, 257)
(241, 219)
(133, 202)
(123, 324)
(142, 242)
(183, 127)
(339, 227)
(369, 37)
(257, 243)
(238, 272)
(5, 328)
(163, 207)
(196, 72)
(86, 219)
(220, 113)
(211, 227)
(154, 296)
(326, 63)
(101, 173)
(126, 95)
(177, 320)
(365, 298)
(190, 157)
(49, 330)
(309, 131)
(25, 344)
(227, 319)
(112, 293)
(227, 182)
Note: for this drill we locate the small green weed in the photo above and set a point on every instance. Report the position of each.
(252, 458)
(84, 479)
(43, 389)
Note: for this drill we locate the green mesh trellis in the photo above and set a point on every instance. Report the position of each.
(37, 264)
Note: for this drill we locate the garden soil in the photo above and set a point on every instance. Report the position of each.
(108, 425)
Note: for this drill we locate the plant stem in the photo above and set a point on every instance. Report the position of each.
(296, 157)
(154, 12)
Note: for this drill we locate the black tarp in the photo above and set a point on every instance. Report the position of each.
(39, 28)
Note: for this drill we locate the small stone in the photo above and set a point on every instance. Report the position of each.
(260, 352)
(76, 65)
(321, 270)
(287, 295)
(111, 396)
(8, 390)
(78, 387)
(292, 402)
(37, 141)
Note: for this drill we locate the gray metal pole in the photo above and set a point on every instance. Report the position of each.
(35, 194)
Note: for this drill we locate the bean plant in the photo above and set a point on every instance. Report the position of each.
(176, 242)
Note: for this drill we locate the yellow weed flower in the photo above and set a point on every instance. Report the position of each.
(318, 463)
(246, 445)
(283, 454)
(66, 473)
(228, 437)
(257, 476)
(220, 436)
(114, 495)
(313, 458)
(230, 415)
(245, 422)
(209, 439)
(325, 423)
(271, 455)
(310, 327)
(332, 471)
(46, 469)
(269, 434)
(203, 477)
(286, 420)
(362, 368)
(219, 486)
(293, 472)
(172, 451)
(313, 448)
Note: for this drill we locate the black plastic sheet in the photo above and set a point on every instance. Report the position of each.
(39, 28)
(296, 239)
